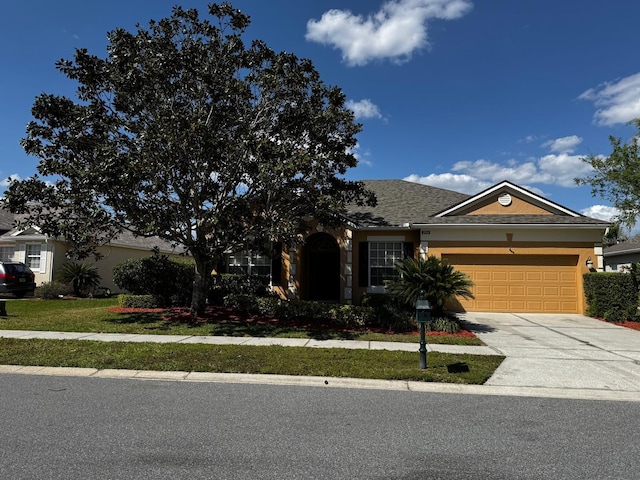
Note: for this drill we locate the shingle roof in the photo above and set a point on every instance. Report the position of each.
(401, 203)
(6, 220)
(631, 245)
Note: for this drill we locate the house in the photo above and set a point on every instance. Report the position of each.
(620, 256)
(523, 252)
(45, 255)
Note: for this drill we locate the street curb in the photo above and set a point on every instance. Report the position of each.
(327, 382)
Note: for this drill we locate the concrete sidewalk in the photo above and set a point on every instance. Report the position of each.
(251, 341)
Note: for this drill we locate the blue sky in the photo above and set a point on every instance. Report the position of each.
(458, 94)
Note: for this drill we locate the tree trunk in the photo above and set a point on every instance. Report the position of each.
(200, 285)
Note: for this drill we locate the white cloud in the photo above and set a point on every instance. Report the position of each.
(395, 32)
(361, 156)
(564, 144)
(617, 102)
(450, 181)
(601, 212)
(364, 108)
(5, 182)
(553, 169)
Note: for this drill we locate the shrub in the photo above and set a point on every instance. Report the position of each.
(52, 290)
(343, 316)
(389, 312)
(233, 284)
(446, 324)
(432, 275)
(612, 296)
(351, 316)
(170, 281)
(137, 301)
(82, 278)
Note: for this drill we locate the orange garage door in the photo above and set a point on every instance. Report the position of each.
(520, 283)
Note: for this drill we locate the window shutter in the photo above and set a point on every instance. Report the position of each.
(409, 250)
(43, 258)
(276, 264)
(363, 264)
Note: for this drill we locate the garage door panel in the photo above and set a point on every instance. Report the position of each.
(526, 283)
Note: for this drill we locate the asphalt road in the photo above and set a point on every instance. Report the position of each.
(86, 428)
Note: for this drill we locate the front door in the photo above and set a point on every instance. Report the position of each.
(322, 255)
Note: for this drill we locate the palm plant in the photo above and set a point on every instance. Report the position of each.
(435, 277)
(82, 277)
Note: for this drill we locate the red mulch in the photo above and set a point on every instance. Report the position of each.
(216, 314)
(631, 325)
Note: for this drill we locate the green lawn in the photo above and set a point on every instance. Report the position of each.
(92, 315)
(324, 362)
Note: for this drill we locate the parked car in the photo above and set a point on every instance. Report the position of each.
(16, 278)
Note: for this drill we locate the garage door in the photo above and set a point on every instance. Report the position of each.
(520, 283)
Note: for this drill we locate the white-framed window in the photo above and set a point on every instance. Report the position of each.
(382, 258)
(33, 256)
(248, 263)
(7, 252)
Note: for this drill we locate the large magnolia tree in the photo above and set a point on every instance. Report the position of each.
(186, 133)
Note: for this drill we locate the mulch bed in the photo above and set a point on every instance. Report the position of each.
(631, 325)
(218, 314)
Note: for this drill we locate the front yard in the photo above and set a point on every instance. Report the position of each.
(101, 315)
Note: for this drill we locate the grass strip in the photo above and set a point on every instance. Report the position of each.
(92, 315)
(325, 362)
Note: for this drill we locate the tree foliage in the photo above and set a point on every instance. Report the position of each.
(436, 277)
(617, 177)
(186, 133)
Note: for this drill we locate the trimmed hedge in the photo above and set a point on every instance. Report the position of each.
(611, 295)
(137, 301)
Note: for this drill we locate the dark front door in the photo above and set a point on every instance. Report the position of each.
(323, 268)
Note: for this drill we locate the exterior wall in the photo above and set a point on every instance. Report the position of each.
(619, 263)
(517, 207)
(115, 255)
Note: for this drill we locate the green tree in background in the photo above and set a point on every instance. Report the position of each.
(617, 177)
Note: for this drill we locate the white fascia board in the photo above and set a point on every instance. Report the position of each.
(518, 189)
(512, 226)
(621, 252)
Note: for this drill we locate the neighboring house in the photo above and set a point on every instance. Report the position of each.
(619, 257)
(524, 252)
(45, 255)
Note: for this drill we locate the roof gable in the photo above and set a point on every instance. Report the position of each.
(403, 204)
(506, 198)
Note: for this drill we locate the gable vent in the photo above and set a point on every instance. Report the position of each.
(504, 199)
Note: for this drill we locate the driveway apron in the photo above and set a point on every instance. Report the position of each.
(559, 351)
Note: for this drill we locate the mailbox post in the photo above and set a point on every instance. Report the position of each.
(423, 315)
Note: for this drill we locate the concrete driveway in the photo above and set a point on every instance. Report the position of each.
(560, 351)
